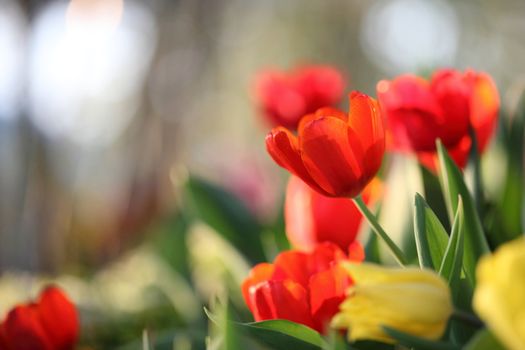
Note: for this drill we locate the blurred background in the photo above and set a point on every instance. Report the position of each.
(125, 124)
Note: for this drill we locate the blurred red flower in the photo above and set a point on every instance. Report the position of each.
(285, 97)
(419, 112)
(302, 287)
(51, 323)
(312, 218)
(334, 153)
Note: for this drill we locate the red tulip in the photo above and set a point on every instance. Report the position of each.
(419, 112)
(312, 218)
(334, 153)
(51, 323)
(306, 288)
(285, 97)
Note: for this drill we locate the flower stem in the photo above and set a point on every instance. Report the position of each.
(467, 317)
(376, 227)
(477, 181)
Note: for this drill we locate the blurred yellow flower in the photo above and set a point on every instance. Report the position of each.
(499, 298)
(410, 300)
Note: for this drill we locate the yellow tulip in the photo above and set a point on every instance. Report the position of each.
(499, 298)
(410, 300)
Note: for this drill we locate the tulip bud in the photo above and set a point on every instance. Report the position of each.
(411, 300)
(499, 295)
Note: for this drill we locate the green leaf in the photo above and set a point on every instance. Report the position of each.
(169, 242)
(412, 341)
(336, 341)
(431, 238)
(279, 334)
(452, 260)
(484, 340)
(284, 335)
(453, 186)
(509, 208)
(227, 215)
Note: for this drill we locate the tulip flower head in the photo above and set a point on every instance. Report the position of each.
(306, 288)
(312, 218)
(50, 323)
(410, 300)
(334, 153)
(419, 112)
(499, 295)
(285, 97)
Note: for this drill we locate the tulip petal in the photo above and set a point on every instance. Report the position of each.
(367, 122)
(58, 317)
(452, 93)
(278, 98)
(337, 220)
(283, 299)
(260, 273)
(367, 273)
(293, 265)
(319, 85)
(327, 291)
(356, 252)
(332, 155)
(299, 215)
(283, 148)
(459, 153)
(484, 107)
(407, 92)
(23, 330)
(324, 257)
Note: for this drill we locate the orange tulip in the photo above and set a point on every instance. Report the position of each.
(312, 218)
(334, 153)
(285, 97)
(419, 112)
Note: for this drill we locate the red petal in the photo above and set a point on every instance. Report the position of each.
(413, 114)
(406, 92)
(337, 220)
(300, 225)
(281, 103)
(484, 108)
(292, 265)
(327, 291)
(23, 330)
(260, 273)
(319, 85)
(312, 218)
(452, 93)
(4, 345)
(59, 318)
(333, 156)
(367, 122)
(459, 153)
(356, 252)
(324, 256)
(281, 300)
(283, 148)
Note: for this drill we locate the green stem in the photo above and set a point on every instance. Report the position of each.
(477, 182)
(376, 227)
(467, 317)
